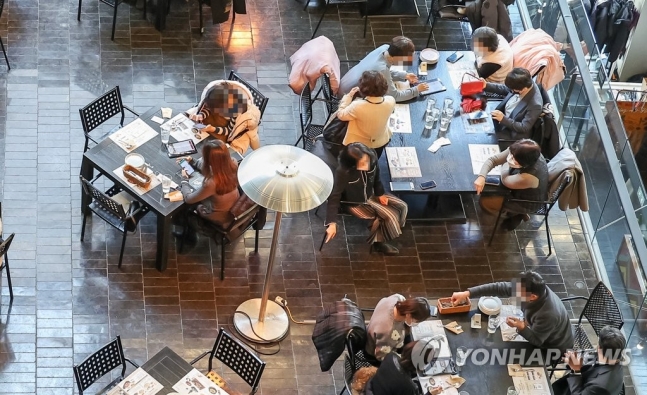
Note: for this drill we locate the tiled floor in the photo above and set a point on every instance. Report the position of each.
(70, 296)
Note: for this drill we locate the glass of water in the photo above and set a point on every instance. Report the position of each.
(165, 133)
(166, 183)
(431, 104)
(429, 121)
(448, 102)
(512, 390)
(492, 323)
(461, 356)
(444, 123)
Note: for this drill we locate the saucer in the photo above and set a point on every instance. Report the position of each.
(490, 305)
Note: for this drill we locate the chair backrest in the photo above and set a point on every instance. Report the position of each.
(101, 109)
(305, 107)
(103, 200)
(260, 100)
(332, 104)
(349, 372)
(601, 309)
(4, 247)
(554, 197)
(99, 364)
(238, 358)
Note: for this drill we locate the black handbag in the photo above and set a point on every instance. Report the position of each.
(335, 130)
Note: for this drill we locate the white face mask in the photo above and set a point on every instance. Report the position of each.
(512, 162)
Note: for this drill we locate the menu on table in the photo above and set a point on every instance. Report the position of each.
(530, 381)
(478, 122)
(400, 120)
(133, 135)
(479, 153)
(196, 383)
(442, 380)
(184, 129)
(508, 333)
(403, 162)
(138, 383)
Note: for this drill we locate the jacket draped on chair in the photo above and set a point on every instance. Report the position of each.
(534, 49)
(314, 58)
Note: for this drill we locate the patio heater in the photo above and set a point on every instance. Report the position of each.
(285, 179)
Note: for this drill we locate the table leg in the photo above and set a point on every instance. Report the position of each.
(163, 236)
(87, 171)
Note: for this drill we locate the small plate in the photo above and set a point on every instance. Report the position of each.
(490, 305)
(429, 55)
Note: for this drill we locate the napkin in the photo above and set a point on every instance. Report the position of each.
(439, 143)
(455, 381)
(515, 370)
(454, 327)
(167, 112)
(174, 196)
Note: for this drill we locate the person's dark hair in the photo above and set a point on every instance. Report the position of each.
(219, 167)
(487, 37)
(401, 46)
(373, 83)
(518, 79)
(353, 152)
(612, 342)
(405, 357)
(532, 282)
(526, 152)
(417, 307)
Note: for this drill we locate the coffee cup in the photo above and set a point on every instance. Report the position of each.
(137, 161)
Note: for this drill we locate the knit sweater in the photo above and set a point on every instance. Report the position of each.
(501, 57)
(384, 333)
(368, 120)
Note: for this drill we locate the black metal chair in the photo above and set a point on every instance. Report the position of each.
(340, 2)
(237, 357)
(447, 12)
(355, 348)
(100, 363)
(114, 4)
(308, 130)
(543, 209)
(244, 218)
(208, 3)
(124, 219)
(1, 44)
(4, 248)
(260, 100)
(100, 110)
(349, 372)
(331, 101)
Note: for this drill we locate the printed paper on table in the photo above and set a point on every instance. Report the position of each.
(138, 383)
(184, 129)
(479, 153)
(508, 333)
(196, 383)
(442, 380)
(533, 382)
(403, 162)
(133, 135)
(400, 120)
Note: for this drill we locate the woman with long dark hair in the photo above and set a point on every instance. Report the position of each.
(358, 178)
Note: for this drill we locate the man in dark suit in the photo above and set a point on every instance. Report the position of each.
(515, 116)
(604, 376)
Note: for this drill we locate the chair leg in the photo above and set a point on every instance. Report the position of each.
(305, 7)
(222, 258)
(496, 225)
(145, 2)
(123, 245)
(78, 16)
(5, 55)
(550, 249)
(256, 241)
(6, 265)
(299, 140)
(114, 22)
(323, 241)
(318, 24)
(85, 216)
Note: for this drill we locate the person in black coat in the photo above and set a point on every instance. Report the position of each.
(516, 115)
(357, 178)
(604, 376)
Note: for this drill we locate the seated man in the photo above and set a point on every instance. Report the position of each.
(381, 59)
(517, 113)
(546, 323)
(603, 377)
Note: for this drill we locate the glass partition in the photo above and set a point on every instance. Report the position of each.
(591, 124)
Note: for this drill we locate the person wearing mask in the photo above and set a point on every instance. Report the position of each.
(395, 375)
(546, 323)
(516, 115)
(601, 377)
(358, 178)
(493, 54)
(381, 59)
(387, 328)
(525, 173)
(219, 189)
(368, 115)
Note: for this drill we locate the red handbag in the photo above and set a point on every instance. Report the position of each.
(471, 88)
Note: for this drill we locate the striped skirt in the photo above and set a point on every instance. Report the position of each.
(387, 220)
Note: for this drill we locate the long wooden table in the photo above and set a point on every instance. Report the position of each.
(450, 167)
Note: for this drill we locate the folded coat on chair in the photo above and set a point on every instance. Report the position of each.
(533, 49)
(314, 58)
(574, 194)
(491, 13)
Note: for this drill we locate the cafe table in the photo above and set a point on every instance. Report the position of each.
(450, 167)
(487, 378)
(108, 156)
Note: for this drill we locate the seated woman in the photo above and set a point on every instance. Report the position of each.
(358, 178)
(228, 111)
(368, 118)
(525, 173)
(394, 376)
(387, 329)
(219, 190)
(493, 54)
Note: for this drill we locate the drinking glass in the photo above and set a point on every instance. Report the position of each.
(461, 356)
(165, 133)
(512, 390)
(492, 323)
(435, 114)
(448, 102)
(449, 111)
(444, 123)
(429, 122)
(431, 104)
(166, 183)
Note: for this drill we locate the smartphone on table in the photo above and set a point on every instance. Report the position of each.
(428, 184)
(186, 166)
(455, 57)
